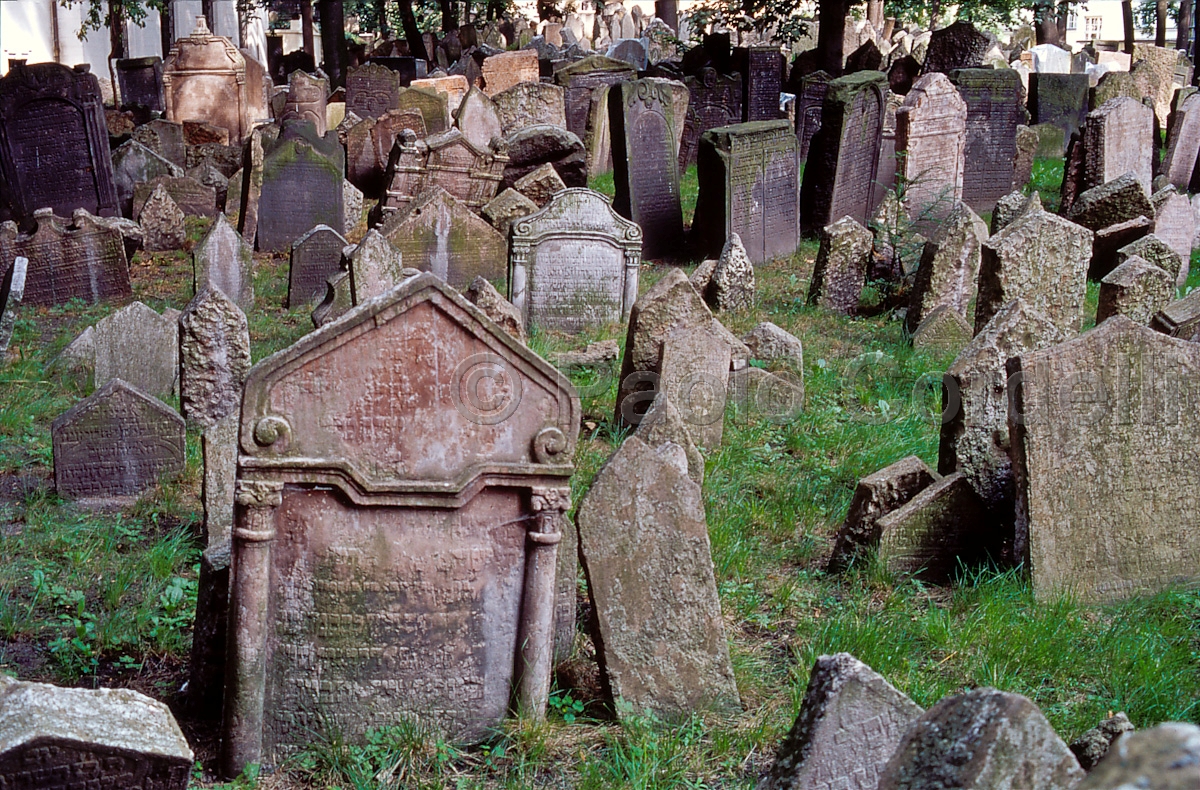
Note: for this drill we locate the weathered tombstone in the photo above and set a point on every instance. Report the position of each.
(534, 146)
(451, 87)
(1160, 758)
(420, 506)
(133, 164)
(875, 496)
(478, 119)
(529, 104)
(645, 162)
(316, 256)
(749, 178)
(1059, 99)
(809, 104)
(942, 330)
(840, 270)
(205, 77)
(586, 84)
(1041, 258)
(1156, 76)
(713, 100)
(53, 142)
(506, 208)
(223, 261)
(432, 106)
(1010, 742)
(507, 69)
(994, 100)
(448, 160)
(1183, 143)
(1153, 249)
(141, 83)
(694, 373)
(663, 602)
(12, 291)
(1132, 425)
(162, 222)
(849, 724)
(484, 295)
(302, 178)
(375, 267)
(1118, 200)
(1091, 747)
(371, 90)
(438, 233)
(574, 264)
(369, 146)
(115, 445)
(53, 737)
(540, 185)
(164, 138)
(214, 357)
(193, 198)
(931, 133)
(1118, 138)
(957, 46)
(761, 68)
(1137, 289)
(843, 160)
(1026, 151)
(730, 286)
(949, 266)
(630, 50)
(306, 100)
(941, 529)
(81, 259)
(139, 346)
(1175, 225)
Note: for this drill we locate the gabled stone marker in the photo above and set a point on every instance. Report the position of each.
(943, 527)
(222, 260)
(140, 346)
(408, 464)
(1137, 289)
(644, 545)
(1153, 249)
(162, 222)
(876, 495)
(943, 330)
(53, 737)
(437, 232)
(849, 724)
(731, 286)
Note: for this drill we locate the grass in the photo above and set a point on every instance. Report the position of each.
(106, 598)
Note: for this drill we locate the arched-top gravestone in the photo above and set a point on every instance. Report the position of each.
(402, 479)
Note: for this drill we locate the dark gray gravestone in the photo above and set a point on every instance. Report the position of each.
(301, 186)
(843, 159)
(53, 143)
(749, 185)
(713, 100)
(645, 167)
(69, 260)
(134, 163)
(316, 256)
(809, 103)
(372, 90)
(406, 67)
(994, 98)
(958, 46)
(579, 79)
(164, 138)
(115, 445)
(141, 82)
(1059, 99)
(761, 68)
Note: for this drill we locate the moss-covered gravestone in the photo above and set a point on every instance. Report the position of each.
(301, 185)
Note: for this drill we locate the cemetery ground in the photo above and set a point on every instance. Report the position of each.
(107, 598)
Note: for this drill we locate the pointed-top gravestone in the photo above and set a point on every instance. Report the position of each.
(316, 256)
(841, 267)
(162, 222)
(116, 445)
(375, 267)
(223, 261)
(1137, 289)
(942, 330)
(949, 266)
(478, 119)
(1183, 143)
(436, 232)
(12, 291)
(140, 346)
(731, 287)
(214, 356)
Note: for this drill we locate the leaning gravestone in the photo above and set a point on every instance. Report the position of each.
(938, 531)
(193, 198)
(529, 104)
(875, 496)
(1153, 249)
(371, 90)
(694, 374)
(478, 119)
(507, 69)
(713, 100)
(164, 138)
(949, 266)
(134, 163)
(1118, 138)
(83, 259)
(574, 264)
(809, 103)
(659, 633)
(1137, 289)
(849, 724)
(931, 134)
(139, 346)
(1175, 225)
(843, 161)
(375, 267)
(586, 108)
(115, 445)
(316, 256)
(301, 186)
(1134, 429)
(223, 261)
(645, 163)
(994, 100)
(69, 738)
(12, 292)
(53, 143)
(1183, 143)
(943, 330)
(506, 208)
(437, 233)
(749, 185)
(420, 510)
(957, 46)
(140, 80)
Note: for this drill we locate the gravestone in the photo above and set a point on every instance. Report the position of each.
(134, 163)
(193, 198)
(407, 68)
(478, 119)
(574, 264)
(352, 206)
(369, 146)
(139, 346)
(1049, 59)
(506, 208)
(749, 176)
(540, 185)
(957, 46)
(1153, 249)
(849, 724)
(302, 178)
(1180, 318)
(645, 163)
(205, 77)
(1009, 741)
(141, 83)
(1159, 758)
(53, 737)
(942, 330)
(12, 291)
(438, 233)
(630, 50)
(840, 270)
(694, 374)
(214, 357)
(761, 68)
(713, 100)
(375, 267)
(316, 256)
(730, 286)
(221, 260)
(164, 138)
(1041, 258)
(1118, 138)
(1132, 425)
(529, 104)
(994, 100)
(586, 83)
(419, 505)
(448, 160)
(1183, 143)
(1156, 75)
(1137, 289)
(931, 129)
(1175, 225)
(484, 295)
(162, 222)
(810, 100)
(1027, 149)
(944, 527)
(876, 495)
(306, 100)
(115, 445)
(452, 88)
(371, 90)
(53, 143)
(507, 69)
(949, 266)
(80, 259)
(431, 105)
(1059, 99)
(534, 146)
(843, 160)
(658, 629)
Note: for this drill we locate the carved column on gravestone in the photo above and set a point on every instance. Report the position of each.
(543, 602)
(249, 598)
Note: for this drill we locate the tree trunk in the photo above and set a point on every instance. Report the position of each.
(935, 9)
(668, 12)
(1127, 19)
(333, 41)
(412, 33)
(381, 11)
(116, 43)
(1160, 23)
(1183, 29)
(875, 14)
(449, 15)
(209, 10)
(307, 27)
(831, 34)
(166, 29)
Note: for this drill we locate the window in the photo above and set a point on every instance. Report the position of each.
(1091, 26)
(1072, 20)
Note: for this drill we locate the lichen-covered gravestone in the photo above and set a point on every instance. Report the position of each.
(995, 108)
(113, 446)
(398, 519)
(949, 266)
(302, 178)
(140, 346)
(438, 233)
(1137, 289)
(80, 259)
(162, 222)
(221, 260)
(375, 267)
(644, 543)
(841, 267)
(931, 135)
(506, 208)
(574, 264)
(529, 104)
(1118, 402)
(941, 528)
(875, 496)
(1118, 138)
(316, 256)
(695, 375)
(1166, 757)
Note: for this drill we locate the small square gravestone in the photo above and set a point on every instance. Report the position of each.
(81, 259)
(438, 233)
(506, 69)
(302, 178)
(316, 256)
